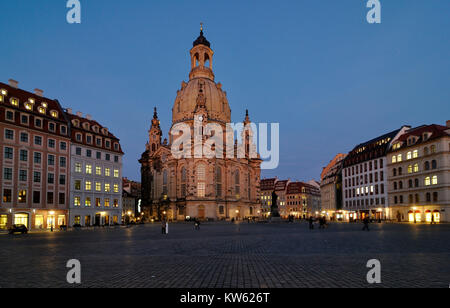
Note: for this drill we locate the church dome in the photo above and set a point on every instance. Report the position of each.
(216, 101)
(201, 40)
(201, 82)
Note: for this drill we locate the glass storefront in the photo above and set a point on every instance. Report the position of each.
(77, 220)
(437, 216)
(39, 222)
(50, 221)
(3, 222)
(21, 219)
(61, 220)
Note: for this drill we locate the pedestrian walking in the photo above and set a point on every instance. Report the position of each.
(311, 223)
(366, 222)
(163, 226)
(197, 224)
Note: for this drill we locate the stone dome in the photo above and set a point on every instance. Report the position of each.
(216, 101)
(201, 81)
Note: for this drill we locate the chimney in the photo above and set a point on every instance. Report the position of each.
(69, 110)
(448, 123)
(39, 92)
(89, 117)
(13, 83)
(79, 114)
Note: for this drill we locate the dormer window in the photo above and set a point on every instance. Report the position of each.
(31, 100)
(105, 131)
(95, 128)
(14, 102)
(28, 106)
(4, 92)
(76, 123)
(54, 113)
(86, 126)
(44, 105)
(41, 110)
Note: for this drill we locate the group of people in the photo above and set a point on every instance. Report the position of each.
(165, 226)
(322, 222)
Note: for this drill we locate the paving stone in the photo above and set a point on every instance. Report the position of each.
(225, 255)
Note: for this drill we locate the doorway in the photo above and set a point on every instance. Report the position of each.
(50, 221)
(201, 212)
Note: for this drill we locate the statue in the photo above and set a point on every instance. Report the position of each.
(274, 207)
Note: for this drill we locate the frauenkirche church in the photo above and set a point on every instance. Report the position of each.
(202, 188)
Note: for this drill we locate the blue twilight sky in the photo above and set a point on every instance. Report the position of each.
(317, 67)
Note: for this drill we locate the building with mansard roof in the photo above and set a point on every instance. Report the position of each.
(419, 175)
(364, 177)
(216, 188)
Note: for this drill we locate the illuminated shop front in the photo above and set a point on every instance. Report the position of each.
(340, 216)
(3, 222)
(33, 219)
(434, 216)
(428, 216)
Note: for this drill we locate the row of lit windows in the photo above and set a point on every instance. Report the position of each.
(22, 197)
(98, 170)
(29, 105)
(38, 122)
(353, 193)
(428, 182)
(413, 154)
(98, 186)
(98, 202)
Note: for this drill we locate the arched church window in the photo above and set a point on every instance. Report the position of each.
(237, 183)
(165, 183)
(219, 182)
(183, 182)
(201, 178)
(249, 187)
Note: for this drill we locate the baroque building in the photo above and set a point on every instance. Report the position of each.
(419, 175)
(220, 187)
(34, 177)
(95, 173)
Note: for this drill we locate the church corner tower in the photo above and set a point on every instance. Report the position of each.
(155, 133)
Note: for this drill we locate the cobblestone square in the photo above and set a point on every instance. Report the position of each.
(225, 255)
